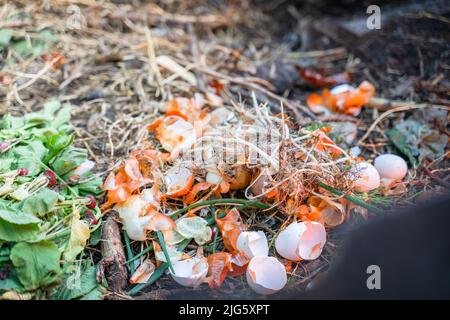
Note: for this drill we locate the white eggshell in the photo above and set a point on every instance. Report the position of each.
(136, 228)
(189, 272)
(266, 275)
(367, 177)
(301, 240)
(287, 241)
(390, 166)
(312, 240)
(253, 244)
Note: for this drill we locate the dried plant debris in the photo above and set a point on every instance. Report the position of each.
(217, 159)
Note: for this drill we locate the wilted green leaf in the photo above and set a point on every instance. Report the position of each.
(15, 216)
(5, 37)
(40, 203)
(191, 227)
(18, 232)
(37, 264)
(400, 142)
(77, 284)
(90, 186)
(68, 160)
(30, 156)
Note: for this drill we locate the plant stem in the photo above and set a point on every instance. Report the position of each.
(140, 254)
(227, 201)
(159, 272)
(129, 252)
(351, 198)
(164, 248)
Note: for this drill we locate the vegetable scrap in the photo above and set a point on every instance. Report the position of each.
(48, 207)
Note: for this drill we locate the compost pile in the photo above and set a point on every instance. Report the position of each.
(217, 175)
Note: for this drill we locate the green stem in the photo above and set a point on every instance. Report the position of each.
(227, 201)
(164, 248)
(159, 272)
(129, 252)
(140, 254)
(351, 198)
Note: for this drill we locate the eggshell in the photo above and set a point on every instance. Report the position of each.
(253, 244)
(130, 212)
(301, 241)
(390, 166)
(178, 181)
(189, 272)
(266, 275)
(366, 176)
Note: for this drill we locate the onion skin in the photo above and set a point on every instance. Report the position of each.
(241, 178)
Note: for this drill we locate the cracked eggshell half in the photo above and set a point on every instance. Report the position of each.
(253, 244)
(266, 275)
(367, 177)
(301, 241)
(190, 272)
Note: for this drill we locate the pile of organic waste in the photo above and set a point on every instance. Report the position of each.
(204, 166)
(48, 208)
(215, 149)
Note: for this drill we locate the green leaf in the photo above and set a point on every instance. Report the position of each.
(11, 283)
(6, 161)
(68, 160)
(5, 38)
(96, 294)
(96, 236)
(15, 216)
(56, 143)
(11, 122)
(77, 285)
(62, 117)
(30, 156)
(40, 203)
(19, 232)
(90, 187)
(37, 264)
(34, 46)
(400, 142)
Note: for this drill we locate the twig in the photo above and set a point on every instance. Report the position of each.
(411, 106)
(294, 107)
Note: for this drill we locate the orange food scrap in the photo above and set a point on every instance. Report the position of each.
(219, 265)
(230, 227)
(325, 144)
(342, 99)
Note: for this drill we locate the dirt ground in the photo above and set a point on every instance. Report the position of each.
(111, 78)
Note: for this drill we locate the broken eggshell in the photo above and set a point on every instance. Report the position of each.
(301, 240)
(131, 213)
(253, 244)
(178, 181)
(266, 275)
(366, 177)
(190, 272)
